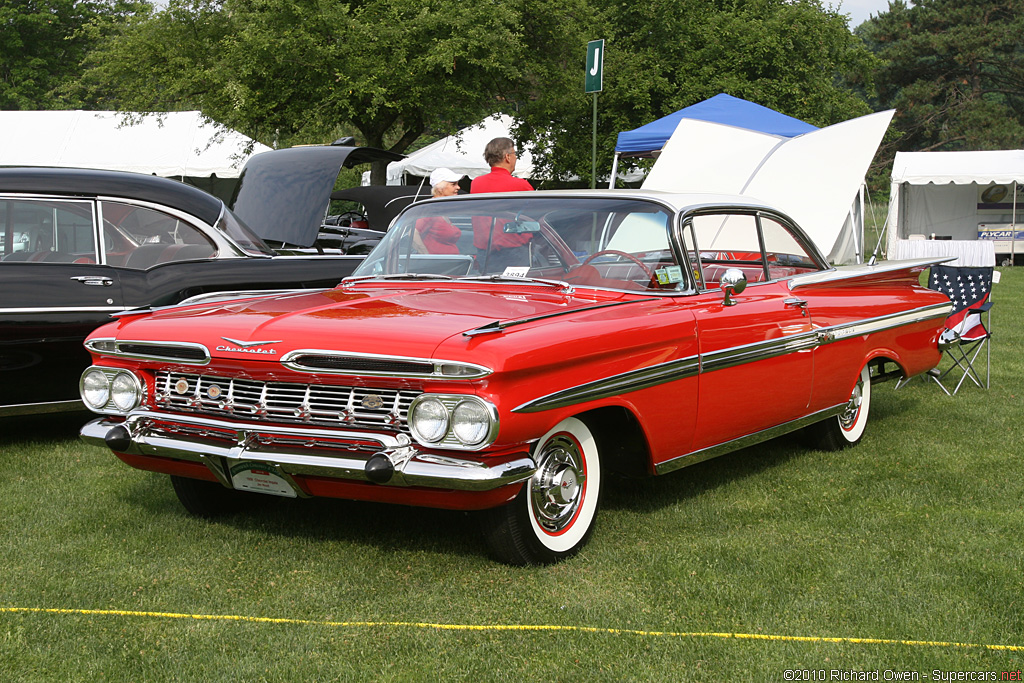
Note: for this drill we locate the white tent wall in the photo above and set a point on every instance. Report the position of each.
(181, 145)
(944, 194)
(816, 178)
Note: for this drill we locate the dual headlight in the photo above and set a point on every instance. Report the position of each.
(453, 421)
(110, 390)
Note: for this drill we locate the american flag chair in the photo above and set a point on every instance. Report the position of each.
(969, 326)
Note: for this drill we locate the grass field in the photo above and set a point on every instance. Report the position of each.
(902, 554)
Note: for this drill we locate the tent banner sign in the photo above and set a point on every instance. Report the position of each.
(594, 78)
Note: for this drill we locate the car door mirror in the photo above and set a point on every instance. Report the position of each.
(733, 282)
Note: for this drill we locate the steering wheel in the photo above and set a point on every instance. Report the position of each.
(350, 216)
(616, 252)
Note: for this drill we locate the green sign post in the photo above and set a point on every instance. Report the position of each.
(593, 82)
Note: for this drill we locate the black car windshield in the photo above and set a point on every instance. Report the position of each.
(240, 234)
(584, 241)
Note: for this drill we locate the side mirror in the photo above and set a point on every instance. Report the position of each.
(733, 282)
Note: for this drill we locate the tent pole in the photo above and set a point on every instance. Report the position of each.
(615, 169)
(1013, 226)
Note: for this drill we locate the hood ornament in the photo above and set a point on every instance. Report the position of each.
(239, 346)
(244, 344)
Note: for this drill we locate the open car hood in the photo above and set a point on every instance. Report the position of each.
(283, 194)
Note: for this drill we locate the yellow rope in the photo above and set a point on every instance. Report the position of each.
(509, 627)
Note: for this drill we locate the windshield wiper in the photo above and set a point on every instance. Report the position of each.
(561, 284)
(396, 276)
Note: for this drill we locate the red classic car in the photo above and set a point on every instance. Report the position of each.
(504, 353)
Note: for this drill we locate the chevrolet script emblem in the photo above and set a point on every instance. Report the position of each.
(239, 346)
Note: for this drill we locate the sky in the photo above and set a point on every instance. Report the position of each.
(859, 10)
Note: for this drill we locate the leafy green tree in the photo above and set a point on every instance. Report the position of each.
(795, 56)
(43, 42)
(288, 71)
(953, 70)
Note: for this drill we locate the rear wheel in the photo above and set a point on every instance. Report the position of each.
(847, 428)
(553, 515)
(209, 499)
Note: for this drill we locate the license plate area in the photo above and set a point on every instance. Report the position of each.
(260, 478)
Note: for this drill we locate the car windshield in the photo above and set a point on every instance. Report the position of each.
(584, 241)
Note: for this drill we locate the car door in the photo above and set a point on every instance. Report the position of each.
(755, 346)
(53, 292)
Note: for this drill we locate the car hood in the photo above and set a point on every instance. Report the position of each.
(410, 322)
(283, 194)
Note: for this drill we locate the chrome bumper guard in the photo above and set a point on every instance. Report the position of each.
(389, 459)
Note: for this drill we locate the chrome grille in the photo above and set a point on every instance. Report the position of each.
(317, 404)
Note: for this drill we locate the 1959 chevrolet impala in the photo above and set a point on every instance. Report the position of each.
(505, 353)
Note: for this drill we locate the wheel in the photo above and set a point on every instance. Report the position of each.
(847, 428)
(209, 499)
(553, 515)
(616, 252)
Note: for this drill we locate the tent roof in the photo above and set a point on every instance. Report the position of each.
(960, 168)
(172, 144)
(462, 152)
(721, 108)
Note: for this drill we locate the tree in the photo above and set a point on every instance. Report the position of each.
(953, 70)
(662, 55)
(43, 43)
(284, 71)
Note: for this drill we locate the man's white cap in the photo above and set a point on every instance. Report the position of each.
(444, 175)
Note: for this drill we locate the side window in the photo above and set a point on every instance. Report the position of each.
(785, 254)
(720, 241)
(140, 237)
(56, 231)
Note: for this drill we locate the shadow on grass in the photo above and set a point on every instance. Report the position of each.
(42, 428)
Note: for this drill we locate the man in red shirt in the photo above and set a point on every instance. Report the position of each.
(497, 249)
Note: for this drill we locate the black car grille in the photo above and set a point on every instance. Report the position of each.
(316, 404)
(362, 364)
(164, 351)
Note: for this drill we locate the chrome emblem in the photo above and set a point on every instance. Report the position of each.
(214, 391)
(244, 345)
(372, 402)
(181, 387)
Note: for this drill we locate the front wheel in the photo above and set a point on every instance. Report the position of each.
(847, 428)
(553, 515)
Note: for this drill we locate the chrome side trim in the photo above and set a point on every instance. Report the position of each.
(828, 335)
(109, 346)
(475, 371)
(751, 353)
(615, 385)
(746, 441)
(304, 451)
(41, 408)
(63, 309)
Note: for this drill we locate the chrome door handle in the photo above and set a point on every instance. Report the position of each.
(797, 303)
(94, 280)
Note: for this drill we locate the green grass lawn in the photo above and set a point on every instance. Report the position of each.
(912, 538)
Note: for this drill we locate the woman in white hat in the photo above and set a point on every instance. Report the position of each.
(437, 235)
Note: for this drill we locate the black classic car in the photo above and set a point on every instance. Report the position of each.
(78, 245)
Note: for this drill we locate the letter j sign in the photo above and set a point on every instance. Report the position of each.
(594, 80)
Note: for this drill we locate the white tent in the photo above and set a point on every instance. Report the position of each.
(462, 153)
(816, 178)
(959, 196)
(172, 145)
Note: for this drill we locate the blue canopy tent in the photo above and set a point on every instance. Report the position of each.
(648, 140)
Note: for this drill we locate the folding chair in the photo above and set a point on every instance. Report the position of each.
(969, 326)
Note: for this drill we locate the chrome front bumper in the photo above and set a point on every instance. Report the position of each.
(357, 456)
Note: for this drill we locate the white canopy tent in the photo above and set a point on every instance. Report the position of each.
(462, 153)
(958, 196)
(180, 145)
(816, 178)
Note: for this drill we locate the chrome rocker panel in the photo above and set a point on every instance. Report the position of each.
(289, 451)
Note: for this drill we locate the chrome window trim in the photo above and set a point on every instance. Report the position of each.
(93, 346)
(64, 309)
(288, 360)
(722, 359)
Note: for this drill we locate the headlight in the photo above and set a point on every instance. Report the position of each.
(471, 422)
(110, 390)
(125, 391)
(95, 388)
(429, 420)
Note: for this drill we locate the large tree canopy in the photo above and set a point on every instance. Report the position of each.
(42, 44)
(953, 70)
(288, 71)
(794, 56)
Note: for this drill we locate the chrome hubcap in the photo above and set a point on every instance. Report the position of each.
(556, 489)
(849, 415)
